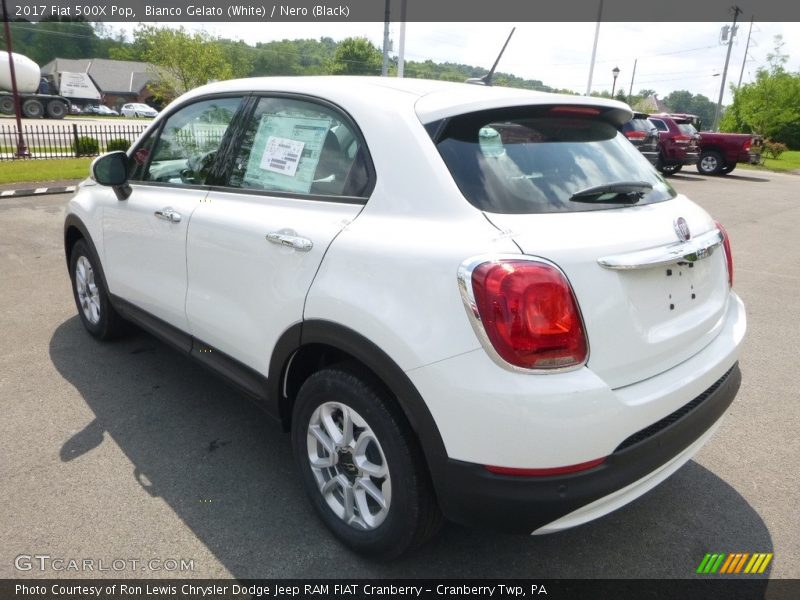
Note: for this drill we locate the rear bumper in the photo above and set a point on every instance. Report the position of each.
(750, 158)
(472, 495)
(690, 158)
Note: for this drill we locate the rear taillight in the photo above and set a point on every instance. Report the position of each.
(746, 146)
(682, 139)
(635, 135)
(529, 314)
(726, 246)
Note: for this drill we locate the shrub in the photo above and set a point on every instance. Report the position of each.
(118, 144)
(86, 146)
(773, 149)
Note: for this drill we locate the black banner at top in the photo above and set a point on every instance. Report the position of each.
(465, 11)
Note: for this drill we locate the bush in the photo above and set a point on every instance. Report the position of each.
(118, 144)
(86, 146)
(774, 149)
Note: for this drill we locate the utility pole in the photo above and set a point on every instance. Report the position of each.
(22, 148)
(401, 52)
(385, 66)
(746, 48)
(594, 48)
(736, 12)
(630, 91)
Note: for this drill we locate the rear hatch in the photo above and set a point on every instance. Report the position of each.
(650, 297)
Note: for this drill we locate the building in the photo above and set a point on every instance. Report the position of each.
(119, 81)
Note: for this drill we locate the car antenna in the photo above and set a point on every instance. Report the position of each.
(487, 79)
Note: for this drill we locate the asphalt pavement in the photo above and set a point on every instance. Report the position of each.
(127, 451)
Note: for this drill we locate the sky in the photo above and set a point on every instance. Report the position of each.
(671, 56)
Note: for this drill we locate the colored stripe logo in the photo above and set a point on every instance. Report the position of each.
(736, 563)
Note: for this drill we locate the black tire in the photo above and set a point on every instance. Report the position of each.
(94, 308)
(411, 515)
(56, 109)
(7, 105)
(32, 108)
(668, 170)
(710, 163)
(728, 168)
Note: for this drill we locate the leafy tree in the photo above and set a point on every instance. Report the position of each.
(683, 101)
(182, 60)
(770, 105)
(356, 56)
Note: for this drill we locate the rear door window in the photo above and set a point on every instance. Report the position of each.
(528, 161)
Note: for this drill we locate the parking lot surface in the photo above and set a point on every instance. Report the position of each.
(128, 451)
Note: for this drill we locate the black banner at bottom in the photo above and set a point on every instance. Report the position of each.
(425, 589)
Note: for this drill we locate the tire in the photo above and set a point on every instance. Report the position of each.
(379, 465)
(91, 297)
(32, 109)
(7, 105)
(710, 163)
(56, 109)
(669, 169)
(728, 168)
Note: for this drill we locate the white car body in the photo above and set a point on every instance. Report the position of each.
(137, 109)
(386, 270)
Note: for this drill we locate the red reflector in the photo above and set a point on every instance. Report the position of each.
(529, 314)
(726, 246)
(575, 110)
(514, 472)
(635, 135)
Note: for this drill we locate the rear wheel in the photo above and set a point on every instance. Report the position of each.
(32, 108)
(669, 169)
(56, 109)
(91, 297)
(7, 105)
(710, 163)
(361, 464)
(728, 168)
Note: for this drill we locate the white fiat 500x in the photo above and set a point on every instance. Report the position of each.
(467, 302)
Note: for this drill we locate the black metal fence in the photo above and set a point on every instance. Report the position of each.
(69, 140)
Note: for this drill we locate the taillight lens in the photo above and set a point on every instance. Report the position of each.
(635, 135)
(726, 245)
(529, 314)
(683, 139)
(747, 144)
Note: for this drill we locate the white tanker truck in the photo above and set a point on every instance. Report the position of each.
(29, 77)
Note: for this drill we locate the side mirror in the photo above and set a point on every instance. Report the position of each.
(112, 169)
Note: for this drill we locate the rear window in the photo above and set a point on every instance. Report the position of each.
(638, 125)
(523, 161)
(687, 129)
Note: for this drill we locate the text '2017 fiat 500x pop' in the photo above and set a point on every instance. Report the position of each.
(466, 302)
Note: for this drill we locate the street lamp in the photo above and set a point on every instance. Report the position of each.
(615, 73)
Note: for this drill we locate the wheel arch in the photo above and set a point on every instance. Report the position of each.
(74, 230)
(306, 347)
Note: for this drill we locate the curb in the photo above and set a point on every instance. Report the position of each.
(38, 191)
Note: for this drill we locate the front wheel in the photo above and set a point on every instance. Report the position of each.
(91, 297)
(361, 465)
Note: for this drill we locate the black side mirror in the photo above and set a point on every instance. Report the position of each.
(112, 169)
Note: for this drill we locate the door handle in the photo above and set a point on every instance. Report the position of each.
(168, 214)
(292, 241)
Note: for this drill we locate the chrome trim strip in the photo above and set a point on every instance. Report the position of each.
(470, 305)
(691, 250)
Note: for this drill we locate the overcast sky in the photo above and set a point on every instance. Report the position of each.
(671, 56)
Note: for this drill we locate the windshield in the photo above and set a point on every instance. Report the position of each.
(521, 161)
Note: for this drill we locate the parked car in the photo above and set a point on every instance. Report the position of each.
(519, 325)
(74, 109)
(678, 145)
(642, 134)
(136, 110)
(100, 109)
(720, 152)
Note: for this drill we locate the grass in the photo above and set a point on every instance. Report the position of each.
(788, 161)
(18, 171)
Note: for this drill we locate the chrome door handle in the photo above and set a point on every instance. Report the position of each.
(168, 214)
(292, 241)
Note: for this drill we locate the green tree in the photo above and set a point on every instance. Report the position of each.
(770, 105)
(182, 60)
(356, 56)
(683, 101)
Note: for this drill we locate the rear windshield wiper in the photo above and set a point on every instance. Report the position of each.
(623, 192)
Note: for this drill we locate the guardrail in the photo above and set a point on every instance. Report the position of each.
(70, 140)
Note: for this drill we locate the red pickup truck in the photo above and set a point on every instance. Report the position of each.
(720, 152)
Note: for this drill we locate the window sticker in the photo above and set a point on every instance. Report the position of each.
(286, 150)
